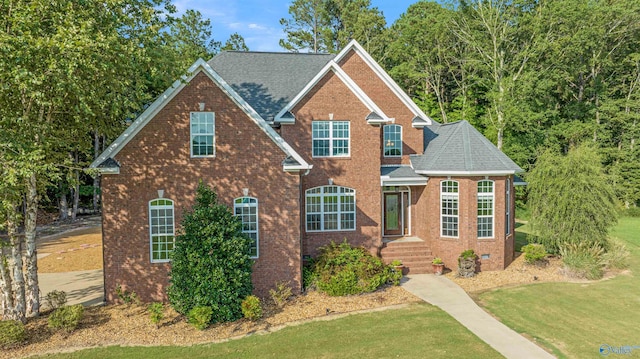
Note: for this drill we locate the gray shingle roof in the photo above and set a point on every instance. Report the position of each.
(400, 175)
(459, 148)
(268, 80)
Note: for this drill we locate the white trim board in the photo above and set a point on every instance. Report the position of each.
(163, 100)
(384, 76)
(348, 81)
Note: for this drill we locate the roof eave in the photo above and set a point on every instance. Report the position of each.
(467, 173)
(403, 181)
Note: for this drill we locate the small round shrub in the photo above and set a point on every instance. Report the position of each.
(251, 308)
(156, 313)
(534, 252)
(56, 299)
(344, 270)
(200, 317)
(280, 294)
(12, 333)
(66, 318)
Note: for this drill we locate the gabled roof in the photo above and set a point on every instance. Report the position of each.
(268, 80)
(376, 112)
(420, 119)
(459, 149)
(199, 66)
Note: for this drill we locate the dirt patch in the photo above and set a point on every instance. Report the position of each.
(131, 326)
(518, 272)
(72, 251)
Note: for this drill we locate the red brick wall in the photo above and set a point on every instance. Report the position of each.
(499, 248)
(360, 171)
(159, 158)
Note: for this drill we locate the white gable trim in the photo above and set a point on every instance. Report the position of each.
(163, 100)
(348, 81)
(384, 76)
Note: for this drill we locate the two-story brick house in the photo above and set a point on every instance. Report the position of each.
(305, 149)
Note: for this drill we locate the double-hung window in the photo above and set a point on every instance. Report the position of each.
(246, 209)
(449, 202)
(392, 137)
(485, 209)
(161, 229)
(202, 134)
(331, 208)
(330, 138)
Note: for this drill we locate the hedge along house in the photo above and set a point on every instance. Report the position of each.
(305, 149)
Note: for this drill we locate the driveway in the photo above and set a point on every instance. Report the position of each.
(82, 287)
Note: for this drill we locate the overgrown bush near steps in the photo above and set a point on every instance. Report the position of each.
(341, 269)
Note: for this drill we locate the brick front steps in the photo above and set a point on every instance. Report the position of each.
(414, 253)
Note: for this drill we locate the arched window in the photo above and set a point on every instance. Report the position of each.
(161, 229)
(392, 136)
(246, 209)
(485, 209)
(449, 203)
(331, 208)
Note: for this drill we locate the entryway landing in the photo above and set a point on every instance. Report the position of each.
(401, 239)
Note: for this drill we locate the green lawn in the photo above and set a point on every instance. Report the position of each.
(571, 319)
(419, 331)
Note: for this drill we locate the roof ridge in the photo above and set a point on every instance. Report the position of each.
(488, 144)
(275, 52)
(441, 150)
(468, 160)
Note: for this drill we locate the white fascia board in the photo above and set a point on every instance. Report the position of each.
(403, 181)
(296, 168)
(331, 66)
(466, 173)
(109, 171)
(384, 76)
(170, 93)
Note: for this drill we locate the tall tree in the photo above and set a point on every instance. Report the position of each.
(328, 25)
(235, 42)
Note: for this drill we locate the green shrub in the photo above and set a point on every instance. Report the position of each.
(156, 313)
(309, 276)
(344, 270)
(617, 257)
(56, 299)
(632, 212)
(12, 333)
(127, 297)
(534, 252)
(200, 317)
(583, 260)
(251, 308)
(395, 276)
(210, 264)
(280, 294)
(66, 318)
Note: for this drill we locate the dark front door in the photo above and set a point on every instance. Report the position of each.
(392, 214)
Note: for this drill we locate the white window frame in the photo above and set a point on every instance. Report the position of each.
(331, 138)
(453, 198)
(212, 133)
(386, 140)
(239, 205)
(320, 195)
(162, 230)
(484, 197)
(507, 202)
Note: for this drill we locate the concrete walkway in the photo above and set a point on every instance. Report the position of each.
(447, 295)
(82, 287)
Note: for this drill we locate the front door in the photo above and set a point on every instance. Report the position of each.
(393, 221)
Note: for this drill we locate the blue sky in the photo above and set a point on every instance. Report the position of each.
(258, 21)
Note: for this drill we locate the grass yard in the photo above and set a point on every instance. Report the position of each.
(419, 331)
(575, 319)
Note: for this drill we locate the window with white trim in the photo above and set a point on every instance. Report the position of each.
(331, 208)
(330, 138)
(449, 202)
(246, 209)
(161, 229)
(485, 209)
(202, 134)
(507, 210)
(392, 140)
